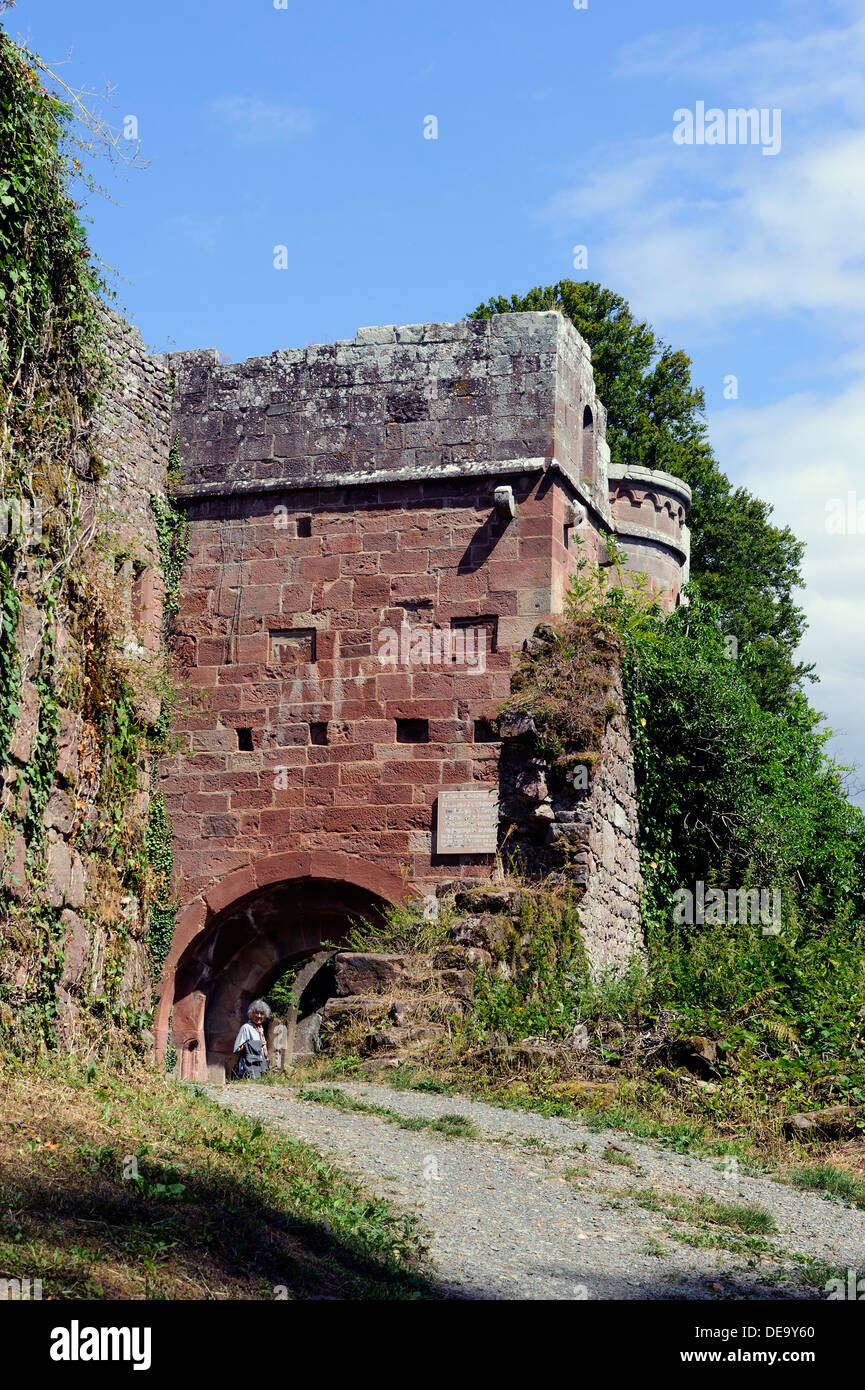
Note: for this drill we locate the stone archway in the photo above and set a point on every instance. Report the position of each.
(248, 930)
(251, 945)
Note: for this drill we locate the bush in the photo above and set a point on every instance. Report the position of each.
(407, 930)
(737, 797)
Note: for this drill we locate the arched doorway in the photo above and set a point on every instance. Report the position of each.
(252, 944)
(230, 948)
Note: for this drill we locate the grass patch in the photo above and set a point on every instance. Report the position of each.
(614, 1155)
(450, 1126)
(832, 1182)
(740, 1216)
(738, 1227)
(654, 1247)
(123, 1185)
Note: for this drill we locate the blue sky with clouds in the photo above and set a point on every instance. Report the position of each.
(303, 126)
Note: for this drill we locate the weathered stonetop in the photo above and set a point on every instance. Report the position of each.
(509, 394)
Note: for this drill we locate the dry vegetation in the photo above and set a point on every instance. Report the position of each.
(123, 1185)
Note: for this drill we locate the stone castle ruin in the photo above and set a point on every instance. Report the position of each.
(376, 528)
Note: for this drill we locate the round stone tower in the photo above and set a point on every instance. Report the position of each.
(649, 508)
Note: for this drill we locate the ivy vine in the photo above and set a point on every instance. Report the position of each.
(42, 763)
(172, 535)
(9, 665)
(160, 857)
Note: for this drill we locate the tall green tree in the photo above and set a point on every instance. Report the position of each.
(740, 561)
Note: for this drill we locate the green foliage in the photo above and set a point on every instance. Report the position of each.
(281, 996)
(35, 1019)
(448, 1126)
(832, 1182)
(401, 930)
(611, 598)
(9, 672)
(746, 1217)
(53, 367)
(121, 737)
(655, 418)
(172, 536)
(730, 789)
(258, 1211)
(158, 843)
(42, 763)
(43, 250)
(736, 796)
(563, 682)
(550, 978)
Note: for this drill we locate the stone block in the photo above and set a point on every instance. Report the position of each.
(65, 876)
(367, 973)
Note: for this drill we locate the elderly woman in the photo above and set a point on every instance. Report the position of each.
(250, 1046)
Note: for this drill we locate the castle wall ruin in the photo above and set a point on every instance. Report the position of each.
(376, 526)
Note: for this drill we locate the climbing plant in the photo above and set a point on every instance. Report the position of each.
(9, 665)
(52, 360)
(163, 906)
(53, 374)
(42, 763)
(172, 535)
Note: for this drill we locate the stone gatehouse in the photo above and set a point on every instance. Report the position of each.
(376, 527)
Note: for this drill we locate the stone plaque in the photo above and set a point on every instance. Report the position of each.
(468, 822)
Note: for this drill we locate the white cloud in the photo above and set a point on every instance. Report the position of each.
(255, 122)
(721, 233)
(724, 231)
(702, 238)
(803, 452)
(799, 71)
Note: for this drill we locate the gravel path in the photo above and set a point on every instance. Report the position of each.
(540, 1208)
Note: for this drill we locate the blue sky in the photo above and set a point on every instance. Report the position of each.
(303, 127)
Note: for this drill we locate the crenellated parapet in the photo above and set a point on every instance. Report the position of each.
(649, 510)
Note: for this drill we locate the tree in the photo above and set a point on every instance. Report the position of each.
(655, 418)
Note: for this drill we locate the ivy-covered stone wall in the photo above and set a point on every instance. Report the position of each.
(83, 685)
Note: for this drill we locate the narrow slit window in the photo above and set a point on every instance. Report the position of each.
(588, 445)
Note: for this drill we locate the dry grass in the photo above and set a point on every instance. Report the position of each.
(121, 1184)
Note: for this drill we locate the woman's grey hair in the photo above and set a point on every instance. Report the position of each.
(258, 1006)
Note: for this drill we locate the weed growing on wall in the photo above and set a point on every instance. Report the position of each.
(549, 974)
(163, 904)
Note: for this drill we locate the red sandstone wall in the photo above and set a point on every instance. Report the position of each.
(420, 554)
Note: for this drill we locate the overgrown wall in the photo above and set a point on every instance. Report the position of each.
(571, 816)
(85, 664)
